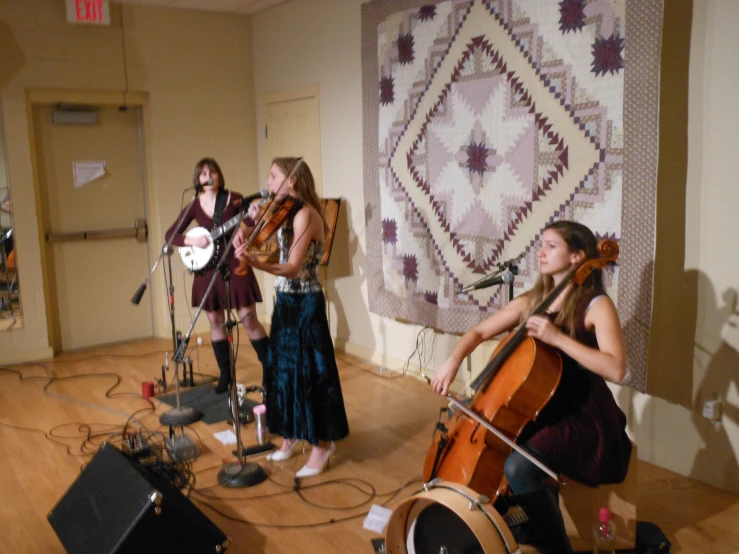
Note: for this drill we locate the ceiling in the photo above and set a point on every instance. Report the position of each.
(232, 6)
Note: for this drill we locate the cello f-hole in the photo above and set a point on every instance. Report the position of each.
(473, 435)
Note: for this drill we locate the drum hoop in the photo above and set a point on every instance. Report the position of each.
(438, 492)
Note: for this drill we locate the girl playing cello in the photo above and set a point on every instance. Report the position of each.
(581, 431)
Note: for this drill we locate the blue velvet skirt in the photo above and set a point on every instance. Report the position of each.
(303, 391)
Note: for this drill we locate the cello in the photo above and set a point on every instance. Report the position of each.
(514, 387)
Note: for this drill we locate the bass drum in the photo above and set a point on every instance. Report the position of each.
(447, 518)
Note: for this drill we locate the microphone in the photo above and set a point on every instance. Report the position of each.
(199, 186)
(264, 193)
(138, 294)
(496, 278)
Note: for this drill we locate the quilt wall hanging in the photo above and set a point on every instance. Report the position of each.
(485, 120)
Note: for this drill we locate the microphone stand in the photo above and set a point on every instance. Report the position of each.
(167, 249)
(504, 268)
(241, 473)
(511, 266)
(177, 416)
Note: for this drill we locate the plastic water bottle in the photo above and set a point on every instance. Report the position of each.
(604, 533)
(260, 423)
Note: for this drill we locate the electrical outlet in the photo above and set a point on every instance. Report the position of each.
(712, 409)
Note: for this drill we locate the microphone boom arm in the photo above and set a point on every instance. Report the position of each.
(166, 249)
(506, 274)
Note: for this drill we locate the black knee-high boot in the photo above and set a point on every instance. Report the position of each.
(545, 520)
(223, 357)
(261, 347)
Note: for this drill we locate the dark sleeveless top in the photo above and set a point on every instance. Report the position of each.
(581, 432)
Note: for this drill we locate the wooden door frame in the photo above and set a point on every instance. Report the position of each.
(133, 99)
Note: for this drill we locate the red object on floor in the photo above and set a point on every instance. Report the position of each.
(147, 389)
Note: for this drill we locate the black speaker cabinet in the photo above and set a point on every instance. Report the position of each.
(117, 505)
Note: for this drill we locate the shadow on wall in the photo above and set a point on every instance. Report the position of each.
(691, 372)
(716, 362)
(711, 363)
(346, 255)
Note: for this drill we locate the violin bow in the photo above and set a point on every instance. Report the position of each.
(267, 213)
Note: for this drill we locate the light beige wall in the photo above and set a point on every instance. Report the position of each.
(318, 41)
(195, 71)
(672, 432)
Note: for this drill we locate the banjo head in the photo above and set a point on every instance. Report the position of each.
(195, 258)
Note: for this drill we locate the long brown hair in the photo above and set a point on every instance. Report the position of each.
(305, 186)
(213, 166)
(578, 238)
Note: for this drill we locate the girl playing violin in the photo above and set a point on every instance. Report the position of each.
(244, 288)
(581, 431)
(304, 399)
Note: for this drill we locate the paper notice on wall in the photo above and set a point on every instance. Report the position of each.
(84, 172)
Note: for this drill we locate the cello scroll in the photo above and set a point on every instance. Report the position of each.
(608, 250)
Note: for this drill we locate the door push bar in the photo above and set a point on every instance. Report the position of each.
(139, 231)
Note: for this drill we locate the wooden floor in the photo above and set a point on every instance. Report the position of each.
(49, 430)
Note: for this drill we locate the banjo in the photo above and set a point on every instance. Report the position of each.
(196, 258)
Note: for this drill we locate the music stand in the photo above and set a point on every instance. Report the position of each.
(240, 473)
(331, 215)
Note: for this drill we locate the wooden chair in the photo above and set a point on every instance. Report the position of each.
(580, 505)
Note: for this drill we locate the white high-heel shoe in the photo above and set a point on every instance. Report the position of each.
(282, 455)
(306, 471)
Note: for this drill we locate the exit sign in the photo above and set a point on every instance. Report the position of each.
(96, 12)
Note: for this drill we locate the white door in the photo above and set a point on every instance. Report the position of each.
(90, 281)
(293, 129)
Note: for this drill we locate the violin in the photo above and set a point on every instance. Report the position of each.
(272, 215)
(518, 381)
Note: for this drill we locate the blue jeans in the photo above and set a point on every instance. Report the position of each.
(523, 476)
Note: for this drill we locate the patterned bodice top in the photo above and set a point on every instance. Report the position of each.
(307, 279)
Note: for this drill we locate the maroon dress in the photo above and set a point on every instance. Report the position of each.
(244, 288)
(581, 432)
